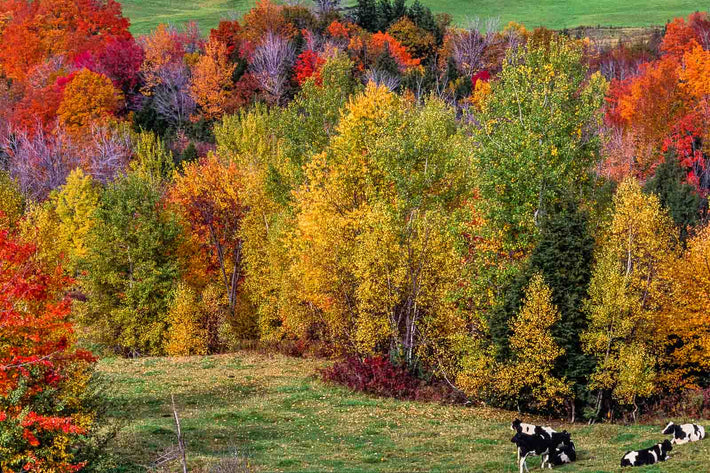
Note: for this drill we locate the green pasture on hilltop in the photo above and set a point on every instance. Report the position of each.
(276, 412)
(557, 14)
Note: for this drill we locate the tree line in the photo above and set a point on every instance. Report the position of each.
(519, 213)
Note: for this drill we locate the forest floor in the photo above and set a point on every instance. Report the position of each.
(145, 15)
(275, 411)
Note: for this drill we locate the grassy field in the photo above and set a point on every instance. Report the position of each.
(275, 409)
(557, 14)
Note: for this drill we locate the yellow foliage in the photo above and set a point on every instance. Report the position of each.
(12, 202)
(627, 294)
(529, 376)
(185, 335)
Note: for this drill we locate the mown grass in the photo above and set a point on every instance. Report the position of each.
(556, 14)
(277, 410)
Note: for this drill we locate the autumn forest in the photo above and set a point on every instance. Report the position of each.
(482, 214)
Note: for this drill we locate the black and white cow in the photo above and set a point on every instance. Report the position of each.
(519, 426)
(539, 445)
(565, 454)
(530, 429)
(648, 456)
(684, 433)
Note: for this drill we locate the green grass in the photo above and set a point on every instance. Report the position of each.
(145, 15)
(557, 14)
(276, 409)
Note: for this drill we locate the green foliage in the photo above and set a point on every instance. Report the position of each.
(131, 267)
(152, 160)
(535, 140)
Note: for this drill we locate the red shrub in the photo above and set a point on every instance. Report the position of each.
(375, 375)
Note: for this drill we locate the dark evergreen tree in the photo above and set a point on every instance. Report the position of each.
(385, 15)
(366, 14)
(399, 9)
(684, 204)
(564, 257)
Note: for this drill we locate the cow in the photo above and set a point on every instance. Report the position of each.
(562, 455)
(519, 426)
(684, 433)
(543, 445)
(648, 456)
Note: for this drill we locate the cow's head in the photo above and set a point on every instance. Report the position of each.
(515, 425)
(670, 428)
(666, 446)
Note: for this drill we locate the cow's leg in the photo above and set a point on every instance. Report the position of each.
(523, 464)
(518, 453)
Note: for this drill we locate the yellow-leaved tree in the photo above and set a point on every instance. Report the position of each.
(185, 335)
(61, 225)
(528, 379)
(372, 252)
(626, 296)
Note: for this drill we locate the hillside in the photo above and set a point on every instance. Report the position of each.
(556, 14)
(276, 410)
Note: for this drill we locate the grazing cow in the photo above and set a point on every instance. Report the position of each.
(519, 426)
(648, 456)
(684, 433)
(562, 455)
(536, 444)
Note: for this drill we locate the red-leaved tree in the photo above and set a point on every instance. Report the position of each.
(43, 377)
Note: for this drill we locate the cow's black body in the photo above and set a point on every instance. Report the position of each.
(647, 456)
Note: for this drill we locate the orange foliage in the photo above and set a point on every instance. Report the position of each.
(679, 38)
(265, 16)
(212, 80)
(88, 97)
(650, 108)
(381, 42)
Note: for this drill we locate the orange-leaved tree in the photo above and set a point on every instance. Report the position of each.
(208, 194)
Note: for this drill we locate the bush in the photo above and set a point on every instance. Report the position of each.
(690, 403)
(378, 375)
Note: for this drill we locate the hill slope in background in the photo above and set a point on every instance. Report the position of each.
(276, 410)
(556, 14)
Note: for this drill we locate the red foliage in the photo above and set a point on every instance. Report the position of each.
(36, 352)
(686, 139)
(377, 375)
(120, 60)
(45, 28)
(308, 65)
(483, 76)
(229, 34)
(680, 37)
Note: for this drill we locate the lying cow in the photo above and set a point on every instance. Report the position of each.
(539, 445)
(530, 429)
(648, 456)
(565, 454)
(684, 433)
